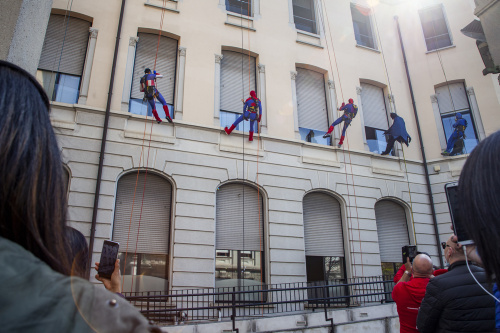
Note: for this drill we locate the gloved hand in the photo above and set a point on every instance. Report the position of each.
(260, 117)
(343, 104)
(154, 72)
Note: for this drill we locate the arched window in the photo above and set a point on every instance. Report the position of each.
(143, 237)
(323, 237)
(239, 237)
(392, 230)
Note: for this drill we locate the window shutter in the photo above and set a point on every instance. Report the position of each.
(234, 80)
(322, 226)
(374, 111)
(458, 94)
(311, 100)
(75, 45)
(392, 230)
(165, 64)
(237, 218)
(154, 231)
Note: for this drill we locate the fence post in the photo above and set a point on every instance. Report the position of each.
(233, 315)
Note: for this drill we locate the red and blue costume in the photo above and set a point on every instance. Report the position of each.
(350, 111)
(148, 86)
(459, 133)
(397, 132)
(250, 109)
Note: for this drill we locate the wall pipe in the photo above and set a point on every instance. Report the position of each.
(103, 139)
(429, 190)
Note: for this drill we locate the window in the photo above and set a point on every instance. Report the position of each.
(236, 85)
(243, 7)
(362, 26)
(375, 117)
(166, 62)
(239, 241)
(303, 15)
(392, 231)
(435, 28)
(452, 98)
(143, 248)
(63, 57)
(324, 244)
(311, 106)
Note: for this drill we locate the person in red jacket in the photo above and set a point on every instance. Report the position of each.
(408, 294)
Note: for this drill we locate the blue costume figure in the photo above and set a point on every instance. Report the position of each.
(350, 111)
(250, 109)
(397, 132)
(148, 86)
(459, 133)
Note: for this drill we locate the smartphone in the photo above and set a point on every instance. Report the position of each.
(409, 251)
(451, 190)
(108, 258)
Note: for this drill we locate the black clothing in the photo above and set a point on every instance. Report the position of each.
(453, 302)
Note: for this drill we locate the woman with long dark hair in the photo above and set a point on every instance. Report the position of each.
(37, 293)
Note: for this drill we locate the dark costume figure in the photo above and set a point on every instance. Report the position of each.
(350, 111)
(148, 86)
(397, 132)
(459, 133)
(250, 109)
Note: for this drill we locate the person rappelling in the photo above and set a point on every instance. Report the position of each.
(458, 134)
(397, 132)
(148, 86)
(250, 108)
(350, 111)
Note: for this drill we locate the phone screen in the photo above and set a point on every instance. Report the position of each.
(108, 258)
(451, 190)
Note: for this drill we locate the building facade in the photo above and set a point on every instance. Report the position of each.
(195, 208)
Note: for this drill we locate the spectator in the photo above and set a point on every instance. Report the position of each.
(78, 253)
(408, 294)
(479, 204)
(453, 302)
(38, 295)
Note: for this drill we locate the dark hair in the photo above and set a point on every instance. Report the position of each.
(479, 201)
(78, 252)
(147, 70)
(32, 191)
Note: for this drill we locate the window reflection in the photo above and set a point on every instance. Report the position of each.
(60, 87)
(144, 271)
(314, 136)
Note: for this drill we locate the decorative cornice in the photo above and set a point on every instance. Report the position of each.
(331, 84)
(293, 75)
(182, 51)
(391, 98)
(93, 32)
(434, 99)
(133, 41)
(470, 91)
(262, 68)
(218, 58)
(359, 90)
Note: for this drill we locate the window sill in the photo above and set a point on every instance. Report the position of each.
(367, 48)
(443, 48)
(240, 21)
(239, 26)
(307, 38)
(171, 5)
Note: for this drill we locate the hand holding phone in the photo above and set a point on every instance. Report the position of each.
(108, 258)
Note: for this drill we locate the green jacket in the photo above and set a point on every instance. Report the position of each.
(34, 298)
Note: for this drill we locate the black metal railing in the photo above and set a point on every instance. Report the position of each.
(265, 300)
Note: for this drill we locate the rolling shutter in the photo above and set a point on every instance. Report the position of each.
(75, 35)
(458, 94)
(374, 111)
(311, 100)
(392, 230)
(234, 70)
(322, 226)
(154, 231)
(165, 64)
(237, 223)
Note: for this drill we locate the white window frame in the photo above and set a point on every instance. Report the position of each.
(255, 9)
(447, 27)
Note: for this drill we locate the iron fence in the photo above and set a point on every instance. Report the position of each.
(261, 300)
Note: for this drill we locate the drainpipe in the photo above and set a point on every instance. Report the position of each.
(103, 140)
(429, 190)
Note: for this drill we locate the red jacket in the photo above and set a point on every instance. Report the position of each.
(408, 296)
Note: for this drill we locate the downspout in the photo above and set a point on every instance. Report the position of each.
(429, 190)
(103, 140)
